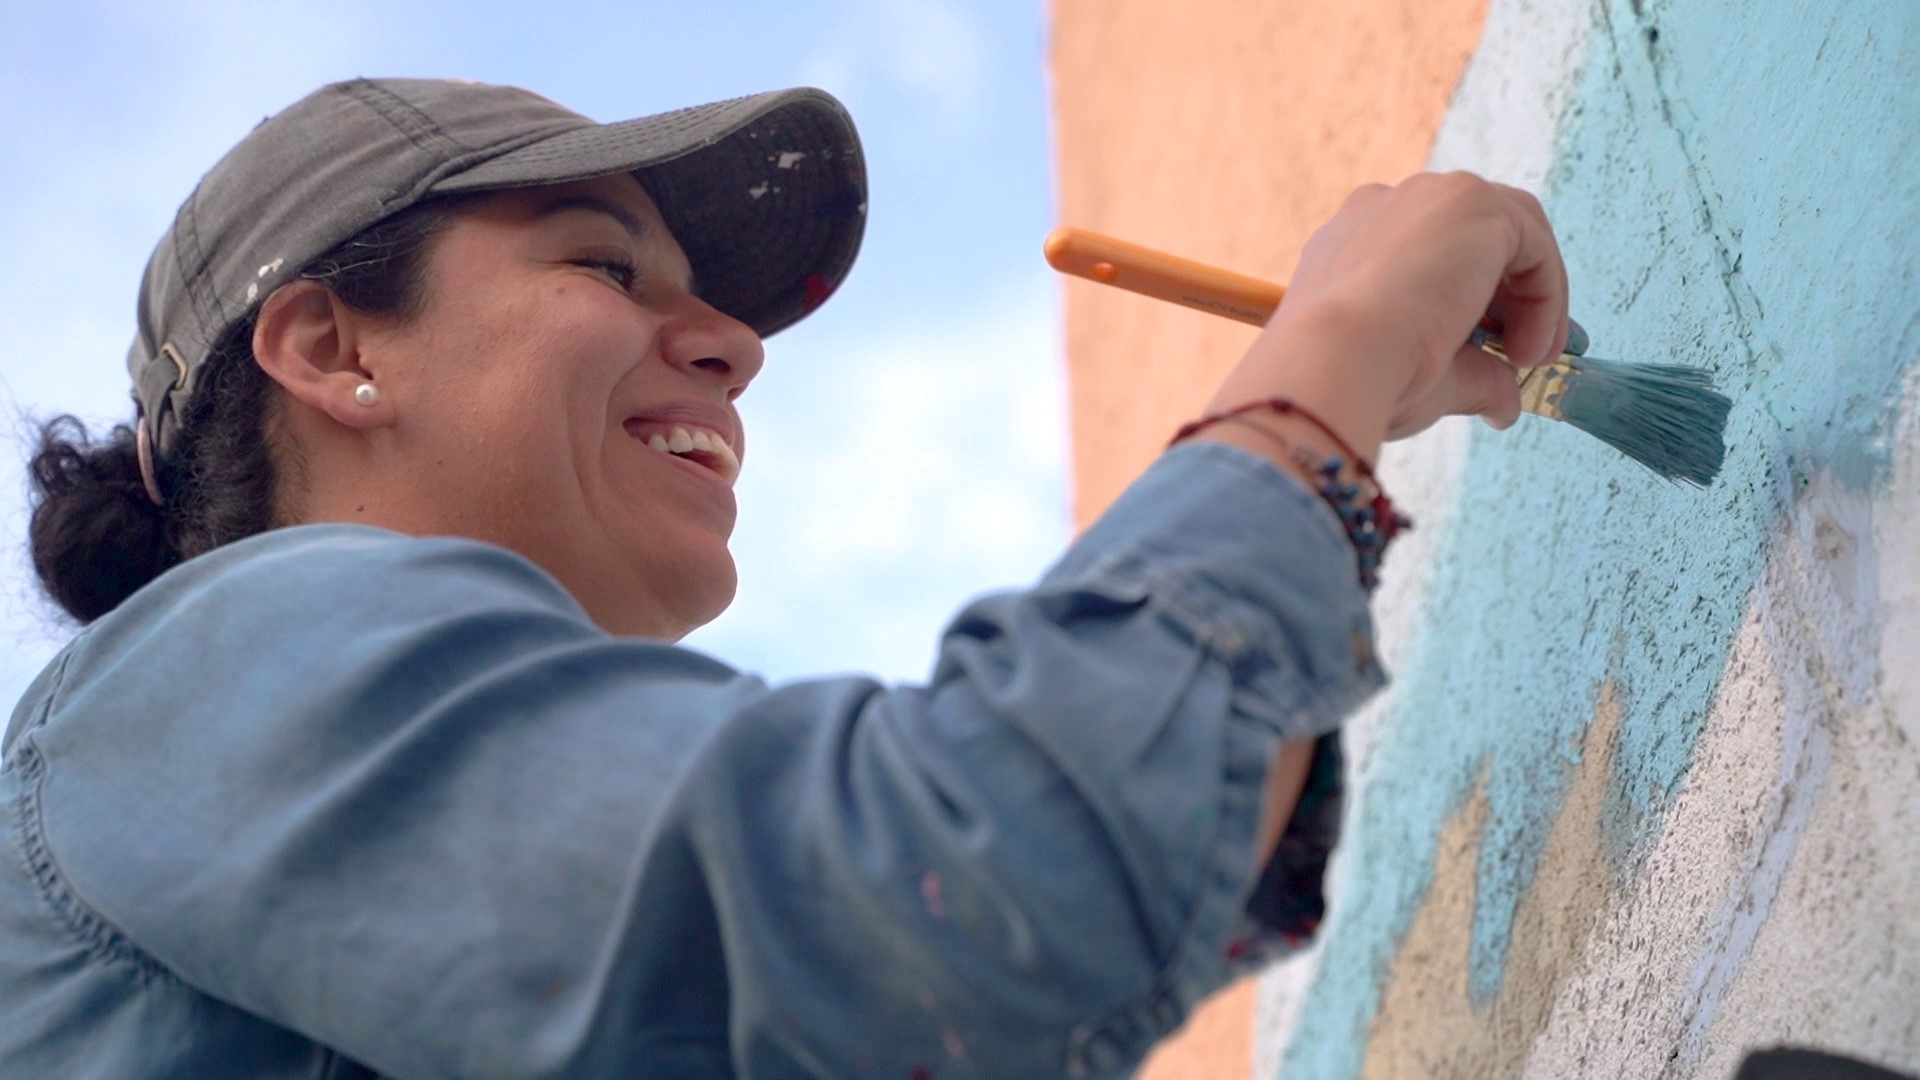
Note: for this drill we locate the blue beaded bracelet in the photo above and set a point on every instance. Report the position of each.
(1369, 518)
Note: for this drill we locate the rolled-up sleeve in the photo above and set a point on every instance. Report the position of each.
(402, 797)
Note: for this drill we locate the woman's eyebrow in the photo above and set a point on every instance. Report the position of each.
(626, 218)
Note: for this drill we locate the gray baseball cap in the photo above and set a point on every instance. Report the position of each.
(766, 194)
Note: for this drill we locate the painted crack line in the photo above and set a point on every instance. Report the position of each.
(1677, 116)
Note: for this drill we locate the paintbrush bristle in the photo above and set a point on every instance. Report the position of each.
(1667, 417)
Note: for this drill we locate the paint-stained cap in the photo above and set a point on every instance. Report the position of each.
(766, 194)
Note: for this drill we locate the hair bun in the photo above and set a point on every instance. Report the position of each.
(96, 537)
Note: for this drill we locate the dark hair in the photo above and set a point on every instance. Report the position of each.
(96, 537)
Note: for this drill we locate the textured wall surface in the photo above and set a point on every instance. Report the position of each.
(1646, 792)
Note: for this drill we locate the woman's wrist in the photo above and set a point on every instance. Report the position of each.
(1293, 445)
(1344, 481)
(1339, 365)
(1325, 425)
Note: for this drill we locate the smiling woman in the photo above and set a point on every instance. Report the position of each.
(560, 333)
(375, 753)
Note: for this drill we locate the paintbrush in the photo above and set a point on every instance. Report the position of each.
(1667, 417)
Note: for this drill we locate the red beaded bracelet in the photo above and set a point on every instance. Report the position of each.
(1371, 522)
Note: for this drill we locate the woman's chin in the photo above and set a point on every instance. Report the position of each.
(694, 591)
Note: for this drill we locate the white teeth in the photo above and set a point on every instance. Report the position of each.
(680, 440)
(729, 461)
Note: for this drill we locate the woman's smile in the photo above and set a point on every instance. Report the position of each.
(691, 442)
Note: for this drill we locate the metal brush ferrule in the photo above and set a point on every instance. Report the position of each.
(1543, 387)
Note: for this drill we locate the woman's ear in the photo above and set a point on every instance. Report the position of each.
(309, 341)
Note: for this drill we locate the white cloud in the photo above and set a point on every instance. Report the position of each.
(892, 479)
(928, 48)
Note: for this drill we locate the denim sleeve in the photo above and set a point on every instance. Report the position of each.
(400, 796)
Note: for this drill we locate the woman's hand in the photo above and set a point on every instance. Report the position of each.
(1371, 334)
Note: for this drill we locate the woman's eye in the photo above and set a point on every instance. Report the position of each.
(623, 273)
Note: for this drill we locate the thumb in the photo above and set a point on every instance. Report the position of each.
(1485, 386)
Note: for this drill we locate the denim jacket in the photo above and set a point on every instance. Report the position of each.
(335, 802)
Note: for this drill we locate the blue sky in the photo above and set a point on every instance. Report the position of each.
(909, 439)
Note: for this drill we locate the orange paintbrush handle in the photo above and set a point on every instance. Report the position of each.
(1162, 276)
(1250, 300)
(1143, 270)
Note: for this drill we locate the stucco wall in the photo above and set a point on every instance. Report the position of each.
(1646, 792)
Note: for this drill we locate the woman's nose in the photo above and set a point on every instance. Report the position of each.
(714, 345)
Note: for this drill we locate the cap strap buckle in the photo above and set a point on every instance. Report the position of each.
(143, 448)
(143, 433)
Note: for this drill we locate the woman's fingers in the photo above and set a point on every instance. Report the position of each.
(1476, 383)
(1485, 387)
(1532, 296)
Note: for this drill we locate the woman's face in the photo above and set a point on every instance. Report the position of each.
(566, 394)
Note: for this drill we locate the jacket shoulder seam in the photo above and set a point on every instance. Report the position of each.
(102, 939)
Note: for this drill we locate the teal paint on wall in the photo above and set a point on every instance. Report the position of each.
(1737, 187)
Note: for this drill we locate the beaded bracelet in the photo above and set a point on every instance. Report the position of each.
(1370, 519)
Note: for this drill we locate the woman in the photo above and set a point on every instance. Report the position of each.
(375, 756)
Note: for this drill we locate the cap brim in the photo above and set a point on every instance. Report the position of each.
(766, 194)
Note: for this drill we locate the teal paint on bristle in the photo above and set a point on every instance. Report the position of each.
(1667, 417)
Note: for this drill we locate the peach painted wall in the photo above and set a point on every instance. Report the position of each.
(1226, 131)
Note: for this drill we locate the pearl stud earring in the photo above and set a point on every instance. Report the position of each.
(366, 393)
